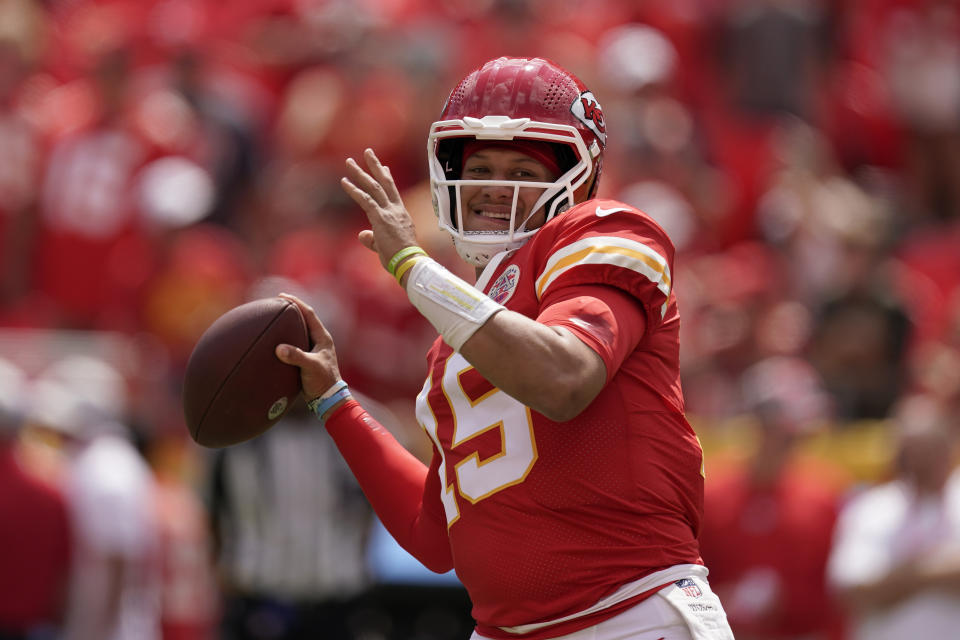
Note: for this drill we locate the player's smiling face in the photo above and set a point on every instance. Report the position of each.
(486, 207)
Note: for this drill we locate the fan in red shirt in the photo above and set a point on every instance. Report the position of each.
(565, 486)
(36, 537)
(769, 523)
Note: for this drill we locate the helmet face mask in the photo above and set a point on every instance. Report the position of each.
(515, 99)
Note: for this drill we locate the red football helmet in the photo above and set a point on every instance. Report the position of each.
(515, 99)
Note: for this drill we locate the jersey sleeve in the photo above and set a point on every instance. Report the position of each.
(608, 320)
(404, 495)
(604, 242)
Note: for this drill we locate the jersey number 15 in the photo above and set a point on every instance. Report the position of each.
(474, 479)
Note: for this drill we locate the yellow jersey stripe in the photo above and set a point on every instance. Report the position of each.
(611, 250)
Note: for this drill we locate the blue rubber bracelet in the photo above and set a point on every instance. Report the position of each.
(336, 386)
(325, 405)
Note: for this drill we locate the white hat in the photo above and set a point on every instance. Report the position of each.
(80, 396)
(636, 55)
(789, 388)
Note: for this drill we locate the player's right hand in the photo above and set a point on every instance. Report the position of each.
(319, 369)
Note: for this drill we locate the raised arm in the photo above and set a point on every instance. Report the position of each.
(547, 368)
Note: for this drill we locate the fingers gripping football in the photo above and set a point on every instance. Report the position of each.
(374, 190)
(319, 369)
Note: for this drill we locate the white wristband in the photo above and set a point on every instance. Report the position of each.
(453, 306)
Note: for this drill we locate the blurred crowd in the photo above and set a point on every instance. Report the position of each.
(162, 161)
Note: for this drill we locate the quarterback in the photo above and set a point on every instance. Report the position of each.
(566, 485)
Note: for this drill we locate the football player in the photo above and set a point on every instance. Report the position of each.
(565, 486)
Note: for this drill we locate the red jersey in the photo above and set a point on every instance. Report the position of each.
(544, 518)
(93, 254)
(35, 546)
(768, 547)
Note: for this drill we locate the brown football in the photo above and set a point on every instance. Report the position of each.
(234, 387)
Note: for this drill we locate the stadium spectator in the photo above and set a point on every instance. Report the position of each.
(920, 59)
(35, 539)
(223, 138)
(768, 520)
(896, 555)
(189, 594)
(115, 583)
(92, 253)
(860, 338)
(21, 166)
(773, 54)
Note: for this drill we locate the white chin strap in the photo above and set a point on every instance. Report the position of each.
(479, 254)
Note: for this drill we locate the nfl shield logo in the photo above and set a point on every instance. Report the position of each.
(689, 587)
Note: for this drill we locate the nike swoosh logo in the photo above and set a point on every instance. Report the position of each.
(602, 213)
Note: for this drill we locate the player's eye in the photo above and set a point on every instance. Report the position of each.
(476, 172)
(529, 175)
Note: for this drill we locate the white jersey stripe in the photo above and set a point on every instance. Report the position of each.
(611, 250)
(625, 592)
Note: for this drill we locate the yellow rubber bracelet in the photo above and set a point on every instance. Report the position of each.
(400, 255)
(407, 265)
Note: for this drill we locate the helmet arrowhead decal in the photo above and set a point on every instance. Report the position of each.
(588, 111)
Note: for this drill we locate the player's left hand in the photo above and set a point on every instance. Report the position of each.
(375, 191)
